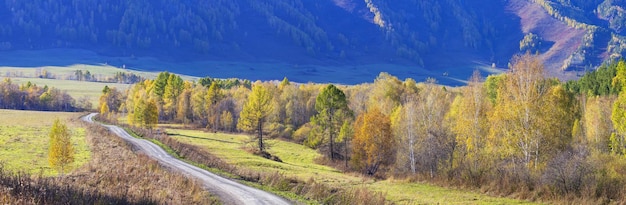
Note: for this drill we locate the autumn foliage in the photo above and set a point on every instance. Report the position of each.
(372, 146)
(518, 132)
(61, 149)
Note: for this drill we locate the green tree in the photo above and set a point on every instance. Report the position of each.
(61, 150)
(173, 89)
(332, 110)
(160, 84)
(254, 113)
(345, 134)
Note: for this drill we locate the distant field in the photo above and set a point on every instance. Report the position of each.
(299, 162)
(24, 140)
(77, 89)
(64, 72)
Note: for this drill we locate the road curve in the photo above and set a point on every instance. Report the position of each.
(230, 192)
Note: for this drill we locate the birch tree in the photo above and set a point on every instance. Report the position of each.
(468, 121)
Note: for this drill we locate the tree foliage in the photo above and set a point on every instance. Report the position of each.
(372, 144)
(61, 149)
(254, 113)
(332, 110)
(468, 121)
(523, 122)
(29, 96)
(602, 81)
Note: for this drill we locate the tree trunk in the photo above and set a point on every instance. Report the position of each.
(260, 131)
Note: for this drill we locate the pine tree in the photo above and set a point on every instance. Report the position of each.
(332, 109)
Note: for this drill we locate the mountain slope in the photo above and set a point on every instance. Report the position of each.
(439, 35)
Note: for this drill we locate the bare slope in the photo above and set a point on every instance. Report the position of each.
(566, 40)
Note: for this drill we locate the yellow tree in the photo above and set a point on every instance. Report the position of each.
(597, 122)
(523, 125)
(173, 87)
(227, 121)
(213, 96)
(151, 114)
(61, 150)
(386, 93)
(183, 111)
(254, 113)
(404, 125)
(618, 139)
(468, 121)
(104, 109)
(373, 142)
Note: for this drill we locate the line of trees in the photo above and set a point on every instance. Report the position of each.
(29, 96)
(516, 132)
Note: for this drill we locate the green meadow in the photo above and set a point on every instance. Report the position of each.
(299, 161)
(24, 140)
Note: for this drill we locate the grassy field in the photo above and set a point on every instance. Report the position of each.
(24, 140)
(299, 162)
(76, 89)
(64, 72)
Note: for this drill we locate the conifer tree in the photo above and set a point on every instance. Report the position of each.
(254, 113)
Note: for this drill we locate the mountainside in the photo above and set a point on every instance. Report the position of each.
(571, 35)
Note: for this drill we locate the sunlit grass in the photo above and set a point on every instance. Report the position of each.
(298, 161)
(24, 140)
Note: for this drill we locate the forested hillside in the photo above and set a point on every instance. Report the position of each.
(432, 34)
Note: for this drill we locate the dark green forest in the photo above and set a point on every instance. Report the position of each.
(431, 34)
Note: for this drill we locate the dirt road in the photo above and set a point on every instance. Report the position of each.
(230, 192)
